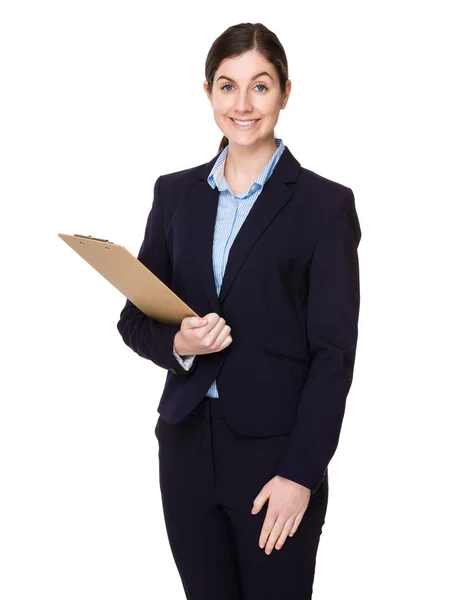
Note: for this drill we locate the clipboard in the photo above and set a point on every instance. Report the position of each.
(133, 279)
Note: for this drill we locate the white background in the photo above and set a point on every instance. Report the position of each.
(99, 99)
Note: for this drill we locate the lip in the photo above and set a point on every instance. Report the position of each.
(245, 127)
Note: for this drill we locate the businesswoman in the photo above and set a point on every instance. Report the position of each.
(265, 251)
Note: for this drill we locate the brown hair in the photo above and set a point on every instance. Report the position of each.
(241, 38)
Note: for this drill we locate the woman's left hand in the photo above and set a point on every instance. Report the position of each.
(288, 502)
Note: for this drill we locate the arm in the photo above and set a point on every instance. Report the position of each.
(149, 338)
(332, 328)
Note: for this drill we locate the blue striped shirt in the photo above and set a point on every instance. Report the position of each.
(231, 214)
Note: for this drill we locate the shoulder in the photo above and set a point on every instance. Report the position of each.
(323, 185)
(171, 188)
(184, 176)
(326, 196)
(333, 204)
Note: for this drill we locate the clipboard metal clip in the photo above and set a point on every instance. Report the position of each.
(89, 237)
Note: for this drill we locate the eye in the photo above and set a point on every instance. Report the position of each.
(231, 85)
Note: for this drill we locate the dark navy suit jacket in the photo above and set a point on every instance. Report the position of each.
(290, 294)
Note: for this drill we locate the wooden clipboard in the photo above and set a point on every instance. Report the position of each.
(133, 279)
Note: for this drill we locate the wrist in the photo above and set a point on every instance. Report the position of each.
(180, 349)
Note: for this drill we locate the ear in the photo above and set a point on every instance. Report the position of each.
(206, 91)
(286, 93)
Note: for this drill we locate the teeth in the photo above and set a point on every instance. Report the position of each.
(244, 122)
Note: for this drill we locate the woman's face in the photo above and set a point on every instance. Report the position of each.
(237, 93)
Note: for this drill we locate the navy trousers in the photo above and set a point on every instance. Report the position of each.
(209, 477)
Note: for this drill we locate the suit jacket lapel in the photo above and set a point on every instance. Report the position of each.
(204, 201)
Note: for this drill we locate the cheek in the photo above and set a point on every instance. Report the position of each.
(222, 113)
(221, 118)
(221, 121)
(270, 110)
(269, 107)
(222, 106)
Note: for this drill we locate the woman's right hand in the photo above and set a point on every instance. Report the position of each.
(202, 336)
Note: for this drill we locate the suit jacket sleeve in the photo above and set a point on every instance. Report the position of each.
(148, 337)
(185, 361)
(332, 329)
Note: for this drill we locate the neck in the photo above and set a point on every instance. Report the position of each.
(243, 162)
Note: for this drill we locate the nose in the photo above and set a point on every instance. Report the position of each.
(243, 103)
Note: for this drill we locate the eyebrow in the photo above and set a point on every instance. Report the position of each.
(252, 78)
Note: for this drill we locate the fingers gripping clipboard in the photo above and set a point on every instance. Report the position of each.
(133, 279)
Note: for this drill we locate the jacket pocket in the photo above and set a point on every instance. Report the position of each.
(280, 355)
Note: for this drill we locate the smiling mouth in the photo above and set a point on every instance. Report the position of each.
(249, 124)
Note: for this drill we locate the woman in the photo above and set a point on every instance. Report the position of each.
(255, 393)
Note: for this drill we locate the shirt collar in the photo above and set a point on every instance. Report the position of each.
(217, 178)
